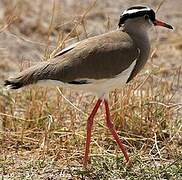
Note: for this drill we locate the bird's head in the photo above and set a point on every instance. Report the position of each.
(141, 16)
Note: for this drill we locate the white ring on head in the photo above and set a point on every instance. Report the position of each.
(131, 11)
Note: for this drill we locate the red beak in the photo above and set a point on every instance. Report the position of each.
(160, 23)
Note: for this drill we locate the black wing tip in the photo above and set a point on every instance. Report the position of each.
(12, 85)
(79, 82)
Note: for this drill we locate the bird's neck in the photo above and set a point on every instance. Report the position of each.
(139, 32)
(141, 40)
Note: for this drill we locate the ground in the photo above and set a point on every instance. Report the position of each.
(42, 130)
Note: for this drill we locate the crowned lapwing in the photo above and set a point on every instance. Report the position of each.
(99, 64)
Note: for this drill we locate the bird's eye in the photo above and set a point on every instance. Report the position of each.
(146, 17)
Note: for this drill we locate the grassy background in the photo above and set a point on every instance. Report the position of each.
(42, 134)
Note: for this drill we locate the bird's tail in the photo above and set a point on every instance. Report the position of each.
(13, 83)
(29, 76)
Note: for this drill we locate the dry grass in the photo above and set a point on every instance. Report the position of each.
(42, 135)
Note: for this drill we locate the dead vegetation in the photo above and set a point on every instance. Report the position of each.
(42, 134)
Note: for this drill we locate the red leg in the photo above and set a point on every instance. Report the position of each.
(113, 131)
(89, 128)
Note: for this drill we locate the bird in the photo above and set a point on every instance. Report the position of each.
(98, 65)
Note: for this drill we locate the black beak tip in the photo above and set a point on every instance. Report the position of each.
(170, 27)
